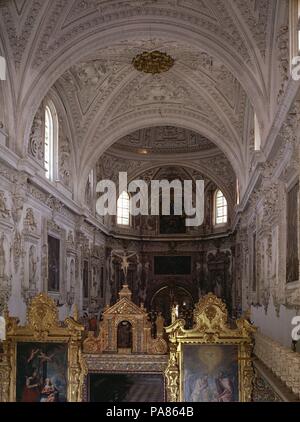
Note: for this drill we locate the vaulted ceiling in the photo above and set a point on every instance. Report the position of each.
(143, 152)
(230, 59)
(162, 141)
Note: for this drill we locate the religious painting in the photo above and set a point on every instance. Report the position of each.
(41, 372)
(292, 259)
(102, 283)
(43, 358)
(210, 373)
(254, 262)
(85, 279)
(172, 265)
(121, 387)
(53, 263)
(172, 224)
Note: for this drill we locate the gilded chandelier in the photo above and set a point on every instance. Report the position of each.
(153, 62)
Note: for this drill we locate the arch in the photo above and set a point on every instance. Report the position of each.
(217, 119)
(223, 134)
(160, 116)
(191, 166)
(162, 298)
(141, 120)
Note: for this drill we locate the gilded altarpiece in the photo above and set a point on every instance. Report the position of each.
(212, 361)
(124, 348)
(125, 329)
(50, 350)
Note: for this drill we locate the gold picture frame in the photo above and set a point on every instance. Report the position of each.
(211, 334)
(43, 329)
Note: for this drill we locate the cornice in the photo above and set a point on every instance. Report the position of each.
(164, 157)
(167, 239)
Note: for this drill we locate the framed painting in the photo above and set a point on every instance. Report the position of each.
(44, 361)
(41, 372)
(212, 361)
(126, 387)
(210, 373)
(172, 265)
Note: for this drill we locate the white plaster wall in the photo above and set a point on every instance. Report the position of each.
(278, 328)
(17, 307)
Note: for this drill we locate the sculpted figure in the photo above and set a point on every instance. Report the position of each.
(4, 212)
(32, 267)
(124, 260)
(2, 257)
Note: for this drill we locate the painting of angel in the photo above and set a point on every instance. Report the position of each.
(41, 372)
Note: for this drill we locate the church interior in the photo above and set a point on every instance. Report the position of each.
(124, 307)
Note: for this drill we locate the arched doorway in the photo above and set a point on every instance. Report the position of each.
(167, 296)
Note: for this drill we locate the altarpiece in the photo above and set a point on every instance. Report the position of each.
(124, 356)
(212, 362)
(42, 360)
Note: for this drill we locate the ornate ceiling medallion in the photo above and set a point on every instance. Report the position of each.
(153, 62)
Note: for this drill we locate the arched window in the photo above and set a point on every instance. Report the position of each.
(50, 140)
(49, 143)
(123, 217)
(237, 192)
(294, 20)
(257, 136)
(221, 208)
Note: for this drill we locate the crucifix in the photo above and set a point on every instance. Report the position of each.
(124, 256)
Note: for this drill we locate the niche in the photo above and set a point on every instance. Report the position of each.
(124, 336)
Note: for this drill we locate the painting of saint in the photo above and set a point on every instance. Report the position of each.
(41, 372)
(172, 224)
(53, 264)
(49, 392)
(31, 392)
(210, 373)
(85, 279)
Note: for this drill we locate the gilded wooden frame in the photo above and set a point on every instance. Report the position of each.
(211, 328)
(43, 326)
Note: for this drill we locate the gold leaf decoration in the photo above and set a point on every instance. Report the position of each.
(153, 62)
